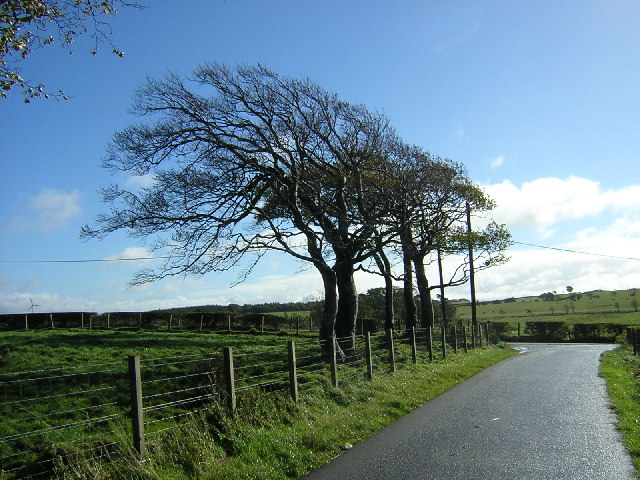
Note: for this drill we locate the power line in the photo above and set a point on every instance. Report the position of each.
(577, 251)
(88, 260)
(137, 259)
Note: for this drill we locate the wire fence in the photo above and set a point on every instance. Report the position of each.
(58, 420)
(158, 320)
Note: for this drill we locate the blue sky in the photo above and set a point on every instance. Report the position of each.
(539, 99)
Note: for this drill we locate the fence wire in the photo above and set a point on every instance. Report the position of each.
(80, 413)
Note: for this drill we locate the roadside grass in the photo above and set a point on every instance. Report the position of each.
(621, 370)
(273, 438)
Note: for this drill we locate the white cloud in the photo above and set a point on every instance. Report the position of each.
(140, 181)
(545, 202)
(496, 162)
(596, 258)
(44, 301)
(131, 253)
(49, 210)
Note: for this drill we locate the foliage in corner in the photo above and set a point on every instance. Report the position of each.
(27, 25)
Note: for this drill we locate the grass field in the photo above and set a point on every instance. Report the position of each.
(68, 391)
(619, 306)
(38, 349)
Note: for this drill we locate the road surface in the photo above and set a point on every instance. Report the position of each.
(543, 414)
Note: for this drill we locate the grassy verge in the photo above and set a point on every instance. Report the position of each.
(621, 370)
(273, 438)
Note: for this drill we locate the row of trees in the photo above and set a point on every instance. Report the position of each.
(244, 161)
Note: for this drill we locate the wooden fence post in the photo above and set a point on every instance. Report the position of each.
(414, 349)
(140, 320)
(430, 342)
(367, 350)
(444, 342)
(135, 389)
(298, 326)
(473, 336)
(82, 321)
(293, 378)
(229, 378)
(518, 330)
(262, 325)
(480, 334)
(201, 320)
(464, 339)
(392, 355)
(310, 323)
(229, 323)
(170, 320)
(108, 320)
(333, 361)
(486, 327)
(455, 339)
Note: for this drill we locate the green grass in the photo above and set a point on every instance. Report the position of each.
(270, 437)
(591, 307)
(37, 349)
(286, 440)
(621, 370)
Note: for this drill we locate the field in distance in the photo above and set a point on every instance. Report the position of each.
(598, 306)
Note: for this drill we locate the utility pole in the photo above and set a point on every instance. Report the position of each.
(472, 282)
(442, 300)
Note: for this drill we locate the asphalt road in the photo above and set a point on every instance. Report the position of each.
(543, 414)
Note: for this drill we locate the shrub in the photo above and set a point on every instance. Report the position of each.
(551, 331)
(499, 330)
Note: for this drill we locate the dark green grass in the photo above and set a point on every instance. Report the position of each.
(37, 349)
(621, 370)
(70, 387)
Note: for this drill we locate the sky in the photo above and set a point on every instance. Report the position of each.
(538, 99)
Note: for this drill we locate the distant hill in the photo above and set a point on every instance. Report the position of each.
(616, 306)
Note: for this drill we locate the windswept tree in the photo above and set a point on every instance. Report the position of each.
(426, 199)
(243, 161)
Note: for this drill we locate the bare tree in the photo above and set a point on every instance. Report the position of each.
(427, 201)
(244, 161)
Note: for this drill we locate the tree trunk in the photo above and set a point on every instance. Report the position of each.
(410, 312)
(426, 306)
(385, 268)
(330, 308)
(347, 307)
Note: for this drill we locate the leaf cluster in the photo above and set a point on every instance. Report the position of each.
(28, 25)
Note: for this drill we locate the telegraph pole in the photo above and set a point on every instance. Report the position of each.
(472, 282)
(442, 300)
